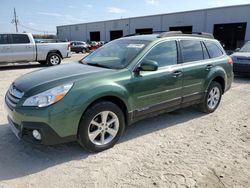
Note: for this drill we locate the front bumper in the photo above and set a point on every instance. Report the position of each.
(48, 135)
(241, 68)
(54, 128)
(69, 54)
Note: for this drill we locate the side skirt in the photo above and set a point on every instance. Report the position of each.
(165, 107)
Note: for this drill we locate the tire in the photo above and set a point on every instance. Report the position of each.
(212, 98)
(101, 138)
(54, 59)
(84, 50)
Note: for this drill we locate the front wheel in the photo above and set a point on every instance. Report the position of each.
(212, 98)
(54, 59)
(101, 126)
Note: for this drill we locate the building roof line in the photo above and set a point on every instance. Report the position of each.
(162, 14)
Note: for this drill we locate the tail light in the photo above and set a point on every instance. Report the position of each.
(230, 61)
(69, 46)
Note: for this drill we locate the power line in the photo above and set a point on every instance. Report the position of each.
(16, 22)
(40, 31)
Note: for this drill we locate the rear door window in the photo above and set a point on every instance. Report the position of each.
(191, 50)
(213, 50)
(4, 39)
(20, 39)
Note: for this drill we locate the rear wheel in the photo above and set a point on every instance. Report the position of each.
(54, 59)
(212, 98)
(101, 126)
(84, 50)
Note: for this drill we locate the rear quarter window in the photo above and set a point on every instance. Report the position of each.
(213, 50)
(191, 50)
(20, 39)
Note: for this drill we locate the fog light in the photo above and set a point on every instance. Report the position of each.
(36, 134)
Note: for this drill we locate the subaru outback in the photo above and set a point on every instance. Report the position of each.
(126, 80)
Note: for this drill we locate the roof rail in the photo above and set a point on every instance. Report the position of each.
(179, 33)
(130, 35)
(135, 34)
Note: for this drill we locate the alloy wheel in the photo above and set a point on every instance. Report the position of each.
(213, 98)
(54, 60)
(103, 128)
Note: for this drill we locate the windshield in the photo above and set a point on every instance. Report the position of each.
(245, 48)
(115, 55)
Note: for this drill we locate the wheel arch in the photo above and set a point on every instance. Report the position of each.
(54, 51)
(221, 81)
(110, 98)
(218, 75)
(116, 100)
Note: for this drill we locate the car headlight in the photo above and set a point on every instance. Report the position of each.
(48, 97)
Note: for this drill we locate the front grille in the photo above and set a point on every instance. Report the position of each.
(243, 59)
(12, 97)
(241, 67)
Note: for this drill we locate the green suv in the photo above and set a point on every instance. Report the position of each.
(93, 100)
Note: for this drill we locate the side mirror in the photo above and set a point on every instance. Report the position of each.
(237, 49)
(148, 65)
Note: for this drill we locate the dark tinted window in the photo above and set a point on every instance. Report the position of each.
(191, 50)
(213, 49)
(20, 39)
(164, 54)
(3, 39)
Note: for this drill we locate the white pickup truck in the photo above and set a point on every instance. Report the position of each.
(19, 47)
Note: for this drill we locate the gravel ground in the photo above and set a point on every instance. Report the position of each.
(184, 148)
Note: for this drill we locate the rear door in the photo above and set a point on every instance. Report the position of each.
(22, 48)
(195, 69)
(5, 49)
(161, 89)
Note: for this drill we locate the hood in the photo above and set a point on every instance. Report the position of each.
(56, 75)
(241, 57)
(241, 54)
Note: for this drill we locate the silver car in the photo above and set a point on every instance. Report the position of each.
(21, 47)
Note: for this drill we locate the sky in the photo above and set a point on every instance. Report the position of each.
(42, 16)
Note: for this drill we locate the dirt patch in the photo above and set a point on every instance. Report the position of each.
(181, 149)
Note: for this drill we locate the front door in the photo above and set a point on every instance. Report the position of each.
(161, 89)
(5, 49)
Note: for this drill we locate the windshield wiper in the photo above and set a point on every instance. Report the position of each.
(98, 65)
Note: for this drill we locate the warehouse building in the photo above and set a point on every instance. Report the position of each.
(230, 25)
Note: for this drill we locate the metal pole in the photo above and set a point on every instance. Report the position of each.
(15, 20)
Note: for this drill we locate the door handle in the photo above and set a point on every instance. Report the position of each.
(7, 48)
(28, 47)
(208, 67)
(177, 74)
